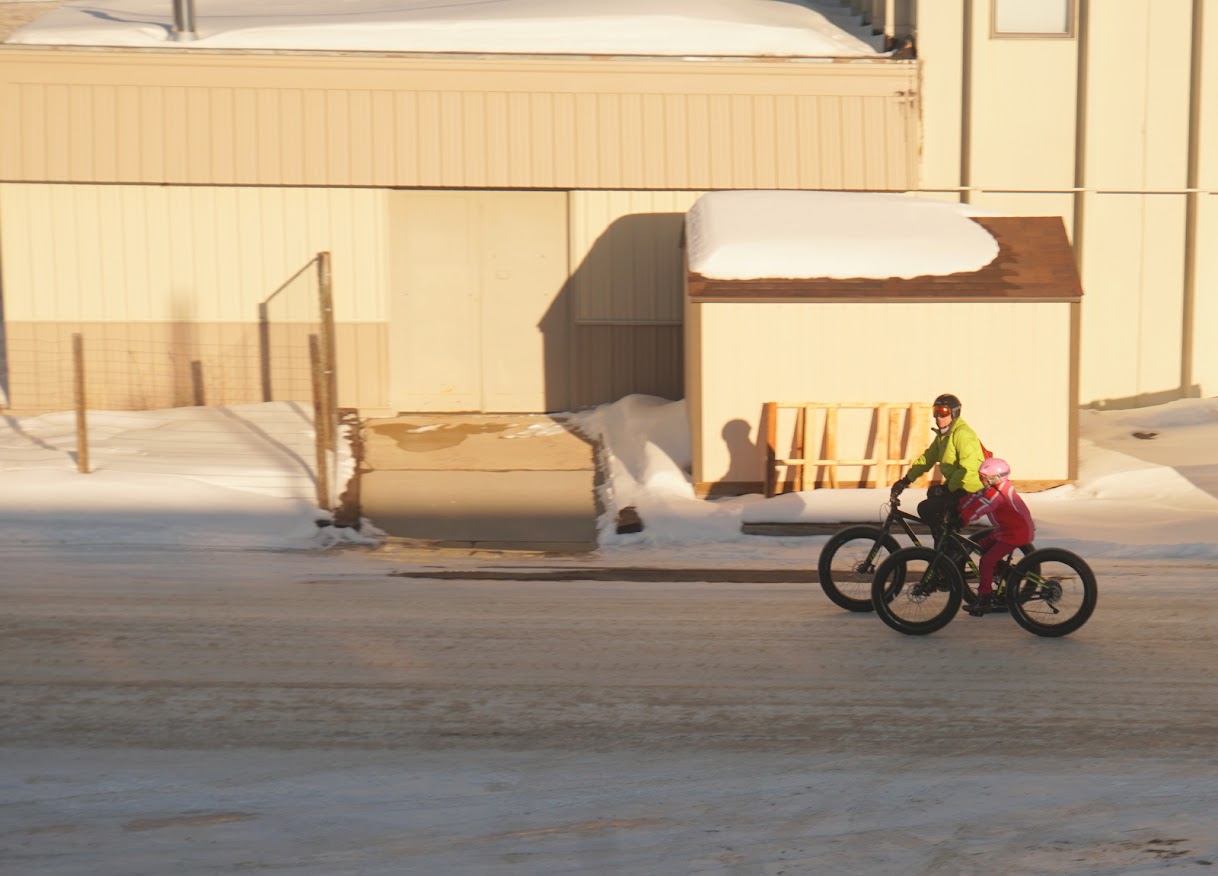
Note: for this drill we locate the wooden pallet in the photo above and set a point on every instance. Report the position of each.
(895, 426)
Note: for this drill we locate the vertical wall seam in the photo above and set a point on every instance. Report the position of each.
(1080, 129)
(966, 106)
(1191, 208)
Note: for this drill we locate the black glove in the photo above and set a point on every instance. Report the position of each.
(899, 487)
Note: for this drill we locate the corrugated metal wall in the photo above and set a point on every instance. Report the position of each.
(175, 190)
(1115, 129)
(165, 285)
(626, 256)
(216, 119)
(210, 253)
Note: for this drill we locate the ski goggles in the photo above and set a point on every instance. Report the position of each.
(942, 411)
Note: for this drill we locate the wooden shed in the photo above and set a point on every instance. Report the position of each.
(1003, 337)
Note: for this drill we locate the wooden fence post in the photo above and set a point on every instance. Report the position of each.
(320, 422)
(770, 416)
(82, 419)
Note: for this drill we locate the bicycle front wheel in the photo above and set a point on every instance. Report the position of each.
(916, 591)
(848, 562)
(1052, 592)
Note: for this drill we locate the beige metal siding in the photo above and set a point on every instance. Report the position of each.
(479, 319)
(1132, 248)
(1100, 130)
(158, 278)
(612, 361)
(626, 256)
(148, 365)
(155, 253)
(170, 190)
(325, 120)
(1203, 303)
(1031, 115)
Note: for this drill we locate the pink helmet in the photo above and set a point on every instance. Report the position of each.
(994, 468)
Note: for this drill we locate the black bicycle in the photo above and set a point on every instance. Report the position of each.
(918, 590)
(849, 559)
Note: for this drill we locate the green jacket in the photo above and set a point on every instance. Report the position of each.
(959, 455)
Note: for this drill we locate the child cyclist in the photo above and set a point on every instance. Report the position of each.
(1010, 517)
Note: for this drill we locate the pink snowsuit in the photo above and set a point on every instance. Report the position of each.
(1012, 523)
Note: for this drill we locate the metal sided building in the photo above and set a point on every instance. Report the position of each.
(503, 230)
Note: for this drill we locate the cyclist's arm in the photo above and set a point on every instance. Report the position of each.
(975, 506)
(923, 463)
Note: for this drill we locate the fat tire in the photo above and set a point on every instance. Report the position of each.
(824, 565)
(1023, 610)
(892, 584)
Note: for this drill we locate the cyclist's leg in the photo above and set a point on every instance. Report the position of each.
(933, 509)
(993, 551)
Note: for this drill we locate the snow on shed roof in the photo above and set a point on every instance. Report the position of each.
(747, 235)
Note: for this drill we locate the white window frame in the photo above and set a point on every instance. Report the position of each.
(1071, 10)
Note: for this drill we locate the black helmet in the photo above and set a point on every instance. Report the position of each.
(949, 401)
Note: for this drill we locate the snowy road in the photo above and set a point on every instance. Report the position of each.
(294, 713)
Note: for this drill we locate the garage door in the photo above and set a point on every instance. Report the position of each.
(478, 318)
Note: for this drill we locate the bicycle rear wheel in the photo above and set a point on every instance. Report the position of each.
(916, 591)
(1052, 592)
(848, 562)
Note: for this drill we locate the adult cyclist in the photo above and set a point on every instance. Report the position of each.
(959, 454)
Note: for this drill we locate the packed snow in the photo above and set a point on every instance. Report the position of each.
(711, 28)
(242, 476)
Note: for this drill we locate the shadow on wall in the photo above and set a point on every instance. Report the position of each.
(615, 328)
(744, 453)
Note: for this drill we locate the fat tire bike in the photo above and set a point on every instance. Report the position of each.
(849, 559)
(918, 590)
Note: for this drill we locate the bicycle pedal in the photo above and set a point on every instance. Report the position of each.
(981, 607)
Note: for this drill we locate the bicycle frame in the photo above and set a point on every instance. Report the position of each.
(903, 519)
(971, 550)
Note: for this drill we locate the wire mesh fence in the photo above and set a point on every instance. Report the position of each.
(283, 354)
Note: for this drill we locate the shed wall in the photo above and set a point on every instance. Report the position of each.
(752, 353)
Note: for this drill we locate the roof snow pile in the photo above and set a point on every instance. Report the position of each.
(755, 235)
(741, 28)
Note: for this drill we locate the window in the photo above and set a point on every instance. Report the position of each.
(1033, 18)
